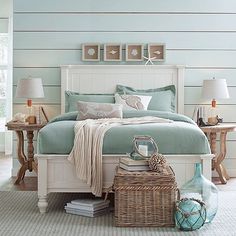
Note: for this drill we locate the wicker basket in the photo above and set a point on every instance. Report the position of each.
(145, 198)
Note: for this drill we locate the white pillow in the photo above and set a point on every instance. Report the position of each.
(132, 102)
(93, 110)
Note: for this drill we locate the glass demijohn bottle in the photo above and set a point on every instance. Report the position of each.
(202, 189)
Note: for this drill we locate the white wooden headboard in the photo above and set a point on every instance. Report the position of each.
(104, 78)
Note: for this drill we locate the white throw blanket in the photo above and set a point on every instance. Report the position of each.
(86, 153)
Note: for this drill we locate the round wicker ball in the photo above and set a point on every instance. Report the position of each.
(190, 214)
(157, 162)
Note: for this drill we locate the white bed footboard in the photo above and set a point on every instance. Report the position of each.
(57, 174)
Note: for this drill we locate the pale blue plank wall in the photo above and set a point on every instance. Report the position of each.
(199, 34)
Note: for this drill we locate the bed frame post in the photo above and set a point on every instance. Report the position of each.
(42, 184)
(206, 164)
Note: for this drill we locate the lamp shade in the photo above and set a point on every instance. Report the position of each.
(30, 88)
(215, 89)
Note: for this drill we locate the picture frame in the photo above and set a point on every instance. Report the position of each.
(112, 52)
(91, 52)
(134, 52)
(157, 50)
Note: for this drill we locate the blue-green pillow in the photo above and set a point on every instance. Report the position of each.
(71, 99)
(163, 99)
(65, 116)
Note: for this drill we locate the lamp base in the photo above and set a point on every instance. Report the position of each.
(213, 120)
(31, 119)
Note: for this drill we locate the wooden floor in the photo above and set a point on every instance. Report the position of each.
(7, 182)
(30, 183)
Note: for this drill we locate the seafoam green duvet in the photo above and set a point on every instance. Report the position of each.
(180, 137)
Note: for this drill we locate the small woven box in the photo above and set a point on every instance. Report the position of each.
(145, 198)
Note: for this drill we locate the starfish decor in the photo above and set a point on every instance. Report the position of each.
(149, 59)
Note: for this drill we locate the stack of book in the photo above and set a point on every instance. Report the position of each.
(129, 164)
(88, 207)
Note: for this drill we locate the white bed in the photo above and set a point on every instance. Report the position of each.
(56, 174)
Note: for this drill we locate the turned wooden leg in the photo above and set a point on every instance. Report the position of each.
(21, 157)
(30, 149)
(35, 167)
(42, 185)
(218, 164)
(21, 174)
(225, 173)
(43, 203)
(213, 147)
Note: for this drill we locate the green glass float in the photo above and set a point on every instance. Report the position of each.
(202, 189)
(190, 214)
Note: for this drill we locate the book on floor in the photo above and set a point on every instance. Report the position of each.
(87, 213)
(78, 204)
(89, 201)
(88, 207)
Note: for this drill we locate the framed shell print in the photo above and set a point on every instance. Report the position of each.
(91, 52)
(134, 52)
(157, 51)
(112, 52)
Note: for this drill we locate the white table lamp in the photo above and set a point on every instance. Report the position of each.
(214, 89)
(30, 88)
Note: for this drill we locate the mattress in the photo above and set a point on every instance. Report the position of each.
(182, 136)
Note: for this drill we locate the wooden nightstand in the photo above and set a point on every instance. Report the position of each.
(211, 132)
(27, 162)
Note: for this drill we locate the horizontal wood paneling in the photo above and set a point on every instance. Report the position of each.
(230, 164)
(201, 58)
(3, 25)
(192, 95)
(118, 22)
(55, 58)
(226, 6)
(195, 77)
(50, 76)
(231, 149)
(173, 40)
